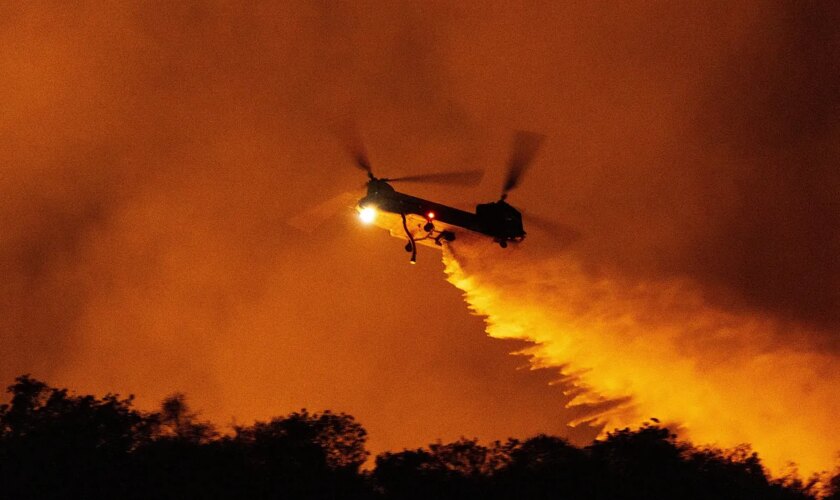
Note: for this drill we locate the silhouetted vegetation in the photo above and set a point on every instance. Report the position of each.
(54, 444)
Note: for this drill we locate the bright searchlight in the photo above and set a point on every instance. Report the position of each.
(367, 214)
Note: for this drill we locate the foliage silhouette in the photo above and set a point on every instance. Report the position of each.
(455, 470)
(54, 444)
(547, 467)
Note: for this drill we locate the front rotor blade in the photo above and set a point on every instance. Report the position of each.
(311, 219)
(525, 147)
(464, 178)
(362, 161)
(349, 135)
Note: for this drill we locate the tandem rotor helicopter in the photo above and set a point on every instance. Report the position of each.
(429, 223)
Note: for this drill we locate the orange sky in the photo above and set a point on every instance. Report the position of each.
(150, 159)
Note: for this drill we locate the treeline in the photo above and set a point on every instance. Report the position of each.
(54, 444)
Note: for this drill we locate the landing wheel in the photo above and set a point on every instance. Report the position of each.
(408, 247)
(503, 244)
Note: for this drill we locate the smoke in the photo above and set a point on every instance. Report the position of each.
(631, 351)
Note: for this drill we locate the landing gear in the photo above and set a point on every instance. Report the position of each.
(411, 246)
(425, 232)
(503, 243)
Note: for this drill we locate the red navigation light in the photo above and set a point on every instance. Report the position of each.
(430, 215)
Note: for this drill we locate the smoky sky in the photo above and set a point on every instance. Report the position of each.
(151, 157)
(777, 118)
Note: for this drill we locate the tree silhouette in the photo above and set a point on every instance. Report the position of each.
(311, 455)
(546, 467)
(833, 490)
(455, 470)
(176, 421)
(326, 440)
(54, 444)
(183, 456)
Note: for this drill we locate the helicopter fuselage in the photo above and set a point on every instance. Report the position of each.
(427, 222)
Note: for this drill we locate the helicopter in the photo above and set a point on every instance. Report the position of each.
(424, 222)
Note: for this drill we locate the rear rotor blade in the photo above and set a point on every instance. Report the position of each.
(525, 147)
(564, 235)
(463, 178)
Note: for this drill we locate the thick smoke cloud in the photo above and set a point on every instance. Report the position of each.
(772, 118)
(150, 156)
